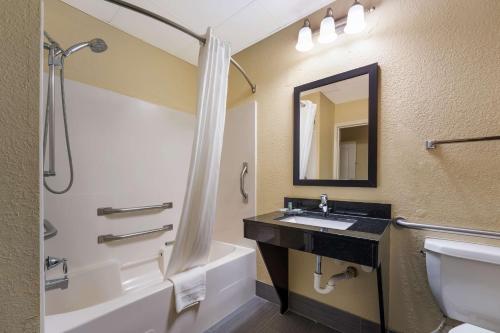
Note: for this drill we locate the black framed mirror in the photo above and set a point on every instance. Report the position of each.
(335, 130)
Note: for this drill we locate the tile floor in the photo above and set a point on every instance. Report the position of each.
(261, 316)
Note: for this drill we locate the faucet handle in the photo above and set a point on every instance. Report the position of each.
(324, 199)
(65, 266)
(51, 262)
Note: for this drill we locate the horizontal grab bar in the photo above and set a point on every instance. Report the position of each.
(110, 210)
(111, 238)
(402, 222)
(431, 144)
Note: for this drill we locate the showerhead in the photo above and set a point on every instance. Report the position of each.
(96, 45)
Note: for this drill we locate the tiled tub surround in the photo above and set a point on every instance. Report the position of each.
(366, 242)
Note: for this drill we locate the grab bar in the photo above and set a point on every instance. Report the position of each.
(111, 238)
(431, 144)
(244, 171)
(402, 222)
(110, 210)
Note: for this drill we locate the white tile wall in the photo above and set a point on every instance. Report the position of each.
(126, 152)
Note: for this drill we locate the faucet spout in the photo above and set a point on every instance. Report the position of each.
(60, 283)
(324, 204)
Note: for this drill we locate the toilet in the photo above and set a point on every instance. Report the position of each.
(465, 281)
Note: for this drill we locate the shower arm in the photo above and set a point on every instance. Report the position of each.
(179, 27)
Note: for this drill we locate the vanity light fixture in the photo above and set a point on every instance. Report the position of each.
(355, 19)
(353, 23)
(304, 41)
(327, 33)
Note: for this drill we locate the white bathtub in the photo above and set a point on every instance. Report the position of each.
(134, 298)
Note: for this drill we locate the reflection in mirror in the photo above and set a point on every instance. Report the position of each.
(333, 139)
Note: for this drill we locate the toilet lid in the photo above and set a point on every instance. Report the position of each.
(468, 328)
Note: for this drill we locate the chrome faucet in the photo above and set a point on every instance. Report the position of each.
(324, 204)
(60, 283)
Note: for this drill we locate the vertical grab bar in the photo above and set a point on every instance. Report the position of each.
(244, 171)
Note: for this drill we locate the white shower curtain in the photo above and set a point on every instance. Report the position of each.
(192, 243)
(307, 116)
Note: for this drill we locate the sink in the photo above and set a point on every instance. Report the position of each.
(322, 223)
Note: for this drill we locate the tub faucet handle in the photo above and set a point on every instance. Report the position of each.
(52, 262)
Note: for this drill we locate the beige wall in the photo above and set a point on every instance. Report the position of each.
(19, 165)
(327, 116)
(352, 111)
(438, 79)
(129, 66)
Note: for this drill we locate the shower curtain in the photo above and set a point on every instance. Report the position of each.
(307, 116)
(192, 243)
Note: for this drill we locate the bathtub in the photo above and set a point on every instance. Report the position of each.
(134, 298)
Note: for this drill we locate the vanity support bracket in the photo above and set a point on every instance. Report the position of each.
(381, 300)
(276, 261)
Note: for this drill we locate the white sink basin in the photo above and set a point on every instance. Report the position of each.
(322, 223)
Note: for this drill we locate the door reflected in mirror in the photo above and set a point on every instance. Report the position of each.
(333, 140)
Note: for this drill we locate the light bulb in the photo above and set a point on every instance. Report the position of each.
(304, 40)
(355, 19)
(327, 33)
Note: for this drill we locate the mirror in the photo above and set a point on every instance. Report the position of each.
(335, 130)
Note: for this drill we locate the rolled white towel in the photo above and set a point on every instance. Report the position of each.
(189, 287)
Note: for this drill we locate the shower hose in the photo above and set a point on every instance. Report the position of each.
(66, 133)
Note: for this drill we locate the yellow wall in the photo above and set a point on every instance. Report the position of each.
(19, 165)
(327, 116)
(351, 111)
(438, 79)
(129, 66)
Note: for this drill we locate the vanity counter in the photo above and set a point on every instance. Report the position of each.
(364, 227)
(365, 242)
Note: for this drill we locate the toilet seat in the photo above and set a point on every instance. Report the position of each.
(468, 328)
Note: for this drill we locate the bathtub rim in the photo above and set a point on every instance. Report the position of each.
(62, 322)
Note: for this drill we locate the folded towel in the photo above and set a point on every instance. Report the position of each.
(189, 287)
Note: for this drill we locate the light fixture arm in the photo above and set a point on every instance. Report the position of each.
(329, 12)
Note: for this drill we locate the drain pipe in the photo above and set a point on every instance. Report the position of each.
(349, 273)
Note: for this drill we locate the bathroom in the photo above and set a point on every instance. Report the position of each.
(424, 72)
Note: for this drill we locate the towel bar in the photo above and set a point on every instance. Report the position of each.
(431, 144)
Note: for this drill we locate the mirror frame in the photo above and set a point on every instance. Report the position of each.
(372, 71)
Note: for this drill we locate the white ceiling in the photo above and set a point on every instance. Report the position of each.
(345, 91)
(241, 22)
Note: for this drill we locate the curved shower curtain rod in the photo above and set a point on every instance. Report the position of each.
(179, 27)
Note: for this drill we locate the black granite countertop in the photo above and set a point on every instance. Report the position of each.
(364, 227)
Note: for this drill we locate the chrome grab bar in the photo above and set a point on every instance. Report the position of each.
(111, 238)
(402, 222)
(431, 144)
(110, 210)
(244, 171)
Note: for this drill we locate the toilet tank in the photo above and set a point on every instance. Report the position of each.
(465, 280)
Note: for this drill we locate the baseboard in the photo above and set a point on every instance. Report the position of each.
(330, 316)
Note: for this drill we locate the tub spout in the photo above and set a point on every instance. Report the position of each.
(61, 283)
